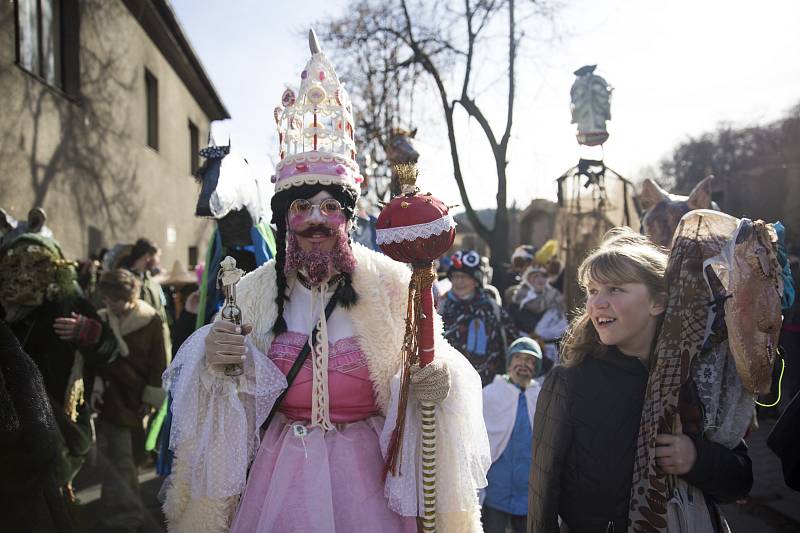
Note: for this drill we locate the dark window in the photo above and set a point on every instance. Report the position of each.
(70, 47)
(194, 148)
(47, 41)
(151, 88)
(192, 257)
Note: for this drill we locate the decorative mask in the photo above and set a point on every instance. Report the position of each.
(748, 268)
(31, 273)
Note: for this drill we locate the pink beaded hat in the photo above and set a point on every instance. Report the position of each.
(315, 129)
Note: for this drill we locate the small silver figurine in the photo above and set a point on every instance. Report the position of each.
(227, 278)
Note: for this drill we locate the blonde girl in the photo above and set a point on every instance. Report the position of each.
(588, 413)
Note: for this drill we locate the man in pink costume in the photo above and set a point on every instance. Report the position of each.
(319, 466)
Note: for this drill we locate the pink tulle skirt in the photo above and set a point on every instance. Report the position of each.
(321, 482)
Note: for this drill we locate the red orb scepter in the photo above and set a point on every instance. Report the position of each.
(416, 229)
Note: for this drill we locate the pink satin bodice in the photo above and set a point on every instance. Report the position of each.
(349, 387)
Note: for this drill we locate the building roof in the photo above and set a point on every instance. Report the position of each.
(539, 205)
(161, 25)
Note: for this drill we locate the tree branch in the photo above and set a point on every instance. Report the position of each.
(448, 108)
(470, 49)
(501, 156)
(397, 48)
(475, 112)
(512, 57)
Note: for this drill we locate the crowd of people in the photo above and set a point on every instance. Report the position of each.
(561, 407)
(310, 414)
(482, 324)
(100, 332)
(511, 341)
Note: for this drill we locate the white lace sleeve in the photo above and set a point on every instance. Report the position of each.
(214, 425)
(462, 450)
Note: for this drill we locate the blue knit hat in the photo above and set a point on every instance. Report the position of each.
(525, 345)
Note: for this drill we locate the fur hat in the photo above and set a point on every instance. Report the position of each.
(523, 252)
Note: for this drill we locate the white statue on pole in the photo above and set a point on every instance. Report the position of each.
(591, 106)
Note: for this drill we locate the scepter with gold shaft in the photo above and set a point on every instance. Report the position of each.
(417, 229)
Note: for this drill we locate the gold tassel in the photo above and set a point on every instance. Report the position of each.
(421, 279)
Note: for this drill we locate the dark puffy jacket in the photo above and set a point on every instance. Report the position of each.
(584, 438)
(30, 500)
(54, 359)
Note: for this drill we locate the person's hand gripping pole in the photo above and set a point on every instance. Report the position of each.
(430, 380)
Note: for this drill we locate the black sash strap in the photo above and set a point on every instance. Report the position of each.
(301, 358)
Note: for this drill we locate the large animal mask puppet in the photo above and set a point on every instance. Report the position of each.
(665, 210)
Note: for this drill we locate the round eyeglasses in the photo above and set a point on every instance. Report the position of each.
(328, 207)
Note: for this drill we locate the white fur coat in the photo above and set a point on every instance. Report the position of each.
(378, 321)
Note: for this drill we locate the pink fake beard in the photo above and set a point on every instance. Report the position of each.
(317, 265)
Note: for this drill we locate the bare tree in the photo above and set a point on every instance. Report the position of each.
(755, 169)
(384, 96)
(442, 41)
(729, 150)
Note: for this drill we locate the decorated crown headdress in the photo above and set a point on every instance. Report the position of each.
(315, 129)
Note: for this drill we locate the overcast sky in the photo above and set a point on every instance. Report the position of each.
(678, 68)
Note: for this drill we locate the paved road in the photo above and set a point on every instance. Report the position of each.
(89, 511)
(772, 507)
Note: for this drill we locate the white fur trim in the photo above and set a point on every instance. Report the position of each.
(185, 514)
(136, 319)
(379, 316)
(256, 298)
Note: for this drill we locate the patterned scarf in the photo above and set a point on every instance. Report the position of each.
(693, 344)
(679, 342)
